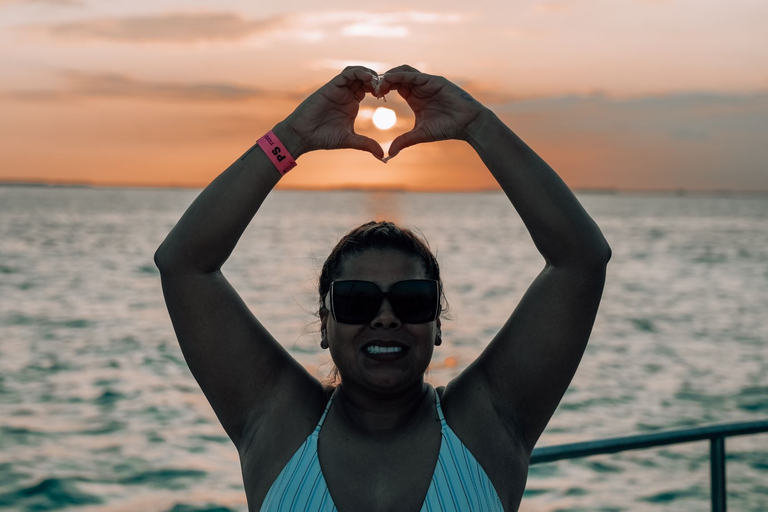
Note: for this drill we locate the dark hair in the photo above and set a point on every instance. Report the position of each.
(381, 235)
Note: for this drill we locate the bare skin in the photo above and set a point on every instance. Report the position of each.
(498, 406)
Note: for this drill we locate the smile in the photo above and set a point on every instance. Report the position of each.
(373, 349)
(385, 353)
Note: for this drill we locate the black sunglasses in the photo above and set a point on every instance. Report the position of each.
(414, 301)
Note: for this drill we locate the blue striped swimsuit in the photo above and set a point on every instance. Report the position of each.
(459, 483)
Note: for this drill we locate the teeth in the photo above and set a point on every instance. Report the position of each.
(383, 350)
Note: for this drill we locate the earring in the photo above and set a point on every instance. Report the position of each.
(323, 340)
(438, 338)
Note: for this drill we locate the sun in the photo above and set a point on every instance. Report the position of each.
(384, 118)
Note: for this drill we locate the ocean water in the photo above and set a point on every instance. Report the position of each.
(99, 412)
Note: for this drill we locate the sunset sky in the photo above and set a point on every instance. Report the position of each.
(618, 94)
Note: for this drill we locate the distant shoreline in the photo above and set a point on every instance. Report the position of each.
(354, 188)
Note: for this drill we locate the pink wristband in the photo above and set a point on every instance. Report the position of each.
(276, 152)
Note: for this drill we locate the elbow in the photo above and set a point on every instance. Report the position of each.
(605, 255)
(600, 253)
(165, 260)
(592, 255)
(160, 260)
(601, 257)
(172, 260)
(596, 259)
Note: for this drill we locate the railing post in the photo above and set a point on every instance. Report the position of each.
(715, 434)
(717, 472)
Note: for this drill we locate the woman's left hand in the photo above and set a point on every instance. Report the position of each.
(443, 110)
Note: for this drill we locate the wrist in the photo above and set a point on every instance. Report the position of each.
(290, 139)
(474, 130)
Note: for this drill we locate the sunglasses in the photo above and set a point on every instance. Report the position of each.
(414, 301)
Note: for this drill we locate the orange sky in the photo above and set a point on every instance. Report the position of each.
(627, 94)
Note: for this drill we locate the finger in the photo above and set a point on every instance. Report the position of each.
(361, 67)
(352, 74)
(378, 82)
(385, 86)
(356, 141)
(403, 141)
(404, 67)
(403, 79)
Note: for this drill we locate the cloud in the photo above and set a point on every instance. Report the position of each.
(185, 28)
(690, 140)
(386, 25)
(385, 18)
(81, 84)
(165, 28)
(375, 30)
(686, 116)
(45, 2)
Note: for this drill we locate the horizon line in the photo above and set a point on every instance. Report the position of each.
(368, 188)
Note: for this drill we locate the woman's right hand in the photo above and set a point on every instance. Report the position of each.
(326, 119)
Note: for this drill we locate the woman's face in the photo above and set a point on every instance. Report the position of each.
(348, 343)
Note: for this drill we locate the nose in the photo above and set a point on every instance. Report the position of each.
(386, 317)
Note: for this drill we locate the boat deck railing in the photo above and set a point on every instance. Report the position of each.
(716, 435)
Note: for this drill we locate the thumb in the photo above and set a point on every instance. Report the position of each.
(403, 141)
(357, 141)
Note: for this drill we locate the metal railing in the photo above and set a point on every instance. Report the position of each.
(716, 435)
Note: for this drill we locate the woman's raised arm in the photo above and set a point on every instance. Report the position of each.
(242, 370)
(529, 364)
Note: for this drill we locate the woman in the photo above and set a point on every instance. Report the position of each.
(384, 440)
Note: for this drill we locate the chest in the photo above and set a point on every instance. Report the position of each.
(383, 476)
(379, 476)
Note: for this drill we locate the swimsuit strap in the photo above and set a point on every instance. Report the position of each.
(439, 409)
(325, 413)
(330, 401)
